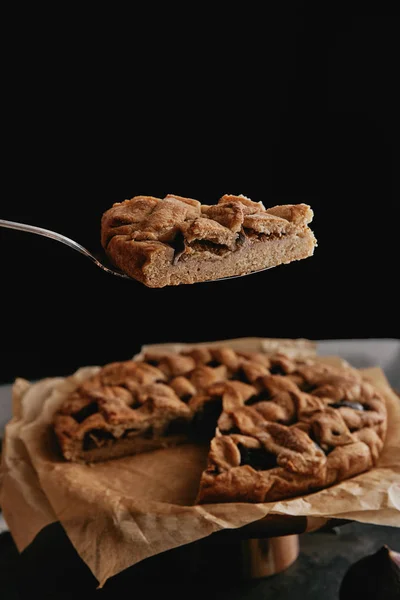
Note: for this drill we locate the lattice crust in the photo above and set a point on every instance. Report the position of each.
(304, 429)
(278, 426)
(177, 240)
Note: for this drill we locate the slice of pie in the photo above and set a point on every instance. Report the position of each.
(125, 408)
(177, 240)
(277, 426)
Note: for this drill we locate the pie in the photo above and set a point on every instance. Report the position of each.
(177, 240)
(276, 426)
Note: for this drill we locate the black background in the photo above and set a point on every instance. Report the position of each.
(283, 109)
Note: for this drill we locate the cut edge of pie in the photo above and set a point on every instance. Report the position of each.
(177, 240)
(277, 426)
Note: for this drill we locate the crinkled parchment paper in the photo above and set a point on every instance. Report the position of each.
(120, 512)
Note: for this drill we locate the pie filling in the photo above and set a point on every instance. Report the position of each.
(85, 412)
(183, 249)
(257, 458)
(204, 420)
(257, 236)
(261, 397)
(201, 427)
(207, 246)
(98, 438)
(353, 405)
(320, 446)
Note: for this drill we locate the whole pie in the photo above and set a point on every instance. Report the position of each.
(177, 240)
(276, 426)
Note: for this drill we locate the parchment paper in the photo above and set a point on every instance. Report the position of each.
(120, 512)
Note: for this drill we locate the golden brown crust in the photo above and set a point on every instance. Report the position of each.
(177, 240)
(278, 426)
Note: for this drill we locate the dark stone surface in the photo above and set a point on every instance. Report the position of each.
(50, 568)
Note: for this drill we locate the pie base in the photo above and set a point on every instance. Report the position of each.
(158, 269)
(126, 447)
